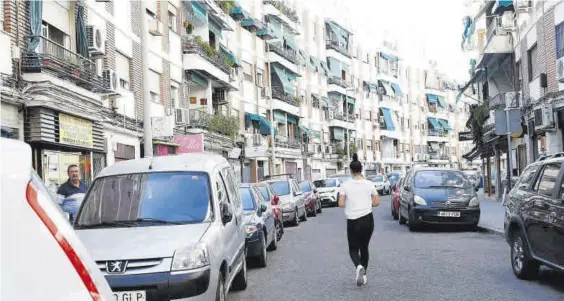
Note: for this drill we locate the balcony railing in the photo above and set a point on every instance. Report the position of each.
(217, 123)
(437, 133)
(438, 156)
(286, 11)
(279, 94)
(499, 101)
(286, 53)
(339, 81)
(287, 142)
(343, 117)
(331, 44)
(64, 63)
(197, 46)
(255, 140)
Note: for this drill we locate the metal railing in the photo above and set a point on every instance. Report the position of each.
(437, 133)
(343, 117)
(279, 94)
(285, 10)
(286, 53)
(287, 142)
(331, 44)
(191, 45)
(55, 58)
(499, 101)
(439, 156)
(339, 81)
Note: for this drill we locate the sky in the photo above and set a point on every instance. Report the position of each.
(424, 29)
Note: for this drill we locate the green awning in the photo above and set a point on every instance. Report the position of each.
(276, 27)
(292, 77)
(290, 42)
(306, 131)
(442, 102)
(302, 57)
(215, 28)
(267, 33)
(283, 78)
(200, 80)
(280, 117)
(326, 102)
(338, 133)
(292, 119)
(334, 66)
(435, 124)
(238, 14)
(199, 12)
(230, 56)
(313, 65)
(265, 128)
(323, 65)
(444, 124)
(335, 29)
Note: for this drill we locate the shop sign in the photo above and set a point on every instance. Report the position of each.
(75, 131)
(190, 143)
(465, 136)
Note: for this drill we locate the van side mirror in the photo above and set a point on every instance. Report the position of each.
(226, 213)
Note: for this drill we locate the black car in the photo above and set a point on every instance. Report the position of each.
(259, 218)
(438, 196)
(534, 219)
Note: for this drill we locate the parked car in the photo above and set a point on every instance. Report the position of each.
(393, 177)
(292, 200)
(534, 219)
(167, 227)
(381, 183)
(342, 178)
(34, 227)
(328, 190)
(259, 220)
(395, 198)
(271, 197)
(438, 196)
(313, 203)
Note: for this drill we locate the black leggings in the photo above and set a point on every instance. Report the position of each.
(359, 232)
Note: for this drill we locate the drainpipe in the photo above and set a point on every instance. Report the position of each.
(147, 130)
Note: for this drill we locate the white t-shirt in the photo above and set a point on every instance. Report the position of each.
(358, 201)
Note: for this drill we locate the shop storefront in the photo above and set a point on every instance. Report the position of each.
(59, 140)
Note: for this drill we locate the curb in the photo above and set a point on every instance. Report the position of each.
(491, 231)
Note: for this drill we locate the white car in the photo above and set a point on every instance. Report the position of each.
(328, 190)
(381, 183)
(40, 250)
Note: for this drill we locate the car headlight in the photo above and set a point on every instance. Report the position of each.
(287, 206)
(474, 202)
(191, 257)
(419, 200)
(251, 229)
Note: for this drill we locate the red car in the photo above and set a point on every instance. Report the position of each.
(273, 199)
(396, 188)
(312, 200)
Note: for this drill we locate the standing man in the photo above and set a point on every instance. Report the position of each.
(74, 184)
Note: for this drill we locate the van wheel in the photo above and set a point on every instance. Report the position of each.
(296, 220)
(220, 293)
(240, 280)
(524, 266)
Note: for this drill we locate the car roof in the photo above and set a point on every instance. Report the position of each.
(245, 185)
(278, 180)
(16, 158)
(184, 162)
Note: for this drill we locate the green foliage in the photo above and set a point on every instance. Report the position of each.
(479, 114)
(342, 152)
(226, 6)
(225, 125)
(212, 52)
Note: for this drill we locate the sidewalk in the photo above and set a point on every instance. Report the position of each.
(491, 215)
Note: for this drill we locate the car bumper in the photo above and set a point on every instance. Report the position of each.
(288, 215)
(254, 246)
(468, 216)
(328, 199)
(310, 206)
(193, 285)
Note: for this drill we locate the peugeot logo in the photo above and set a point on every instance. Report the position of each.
(116, 267)
(448, 203)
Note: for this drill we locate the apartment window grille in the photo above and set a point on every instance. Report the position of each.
(559, 40)
(533, 63)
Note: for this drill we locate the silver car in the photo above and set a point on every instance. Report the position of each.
(169, 228)
(292, 200)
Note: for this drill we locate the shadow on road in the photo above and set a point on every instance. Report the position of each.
(552, 278)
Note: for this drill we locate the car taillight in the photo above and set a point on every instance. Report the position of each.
(33, 196)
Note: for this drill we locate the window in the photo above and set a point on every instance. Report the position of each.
(247, 198)
(265, 192)
(221, 190)
(526, 177)
(533, 64)
(172, 22)
(228, 178)
(280, 188)
(305, 186)
(155, 86)
(368, 145)
(155, 97)
(122, 69)
(559, 40)
(174, 96)
(9, 132)
(259, 77)
(247, 71)
(547, 181)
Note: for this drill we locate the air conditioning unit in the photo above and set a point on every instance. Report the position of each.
(155, 27)
(110, 79)
(331, 115)
(265, 92)
(96, 40)
(116, 103)
(544, 117)
(181, 116)
(560, 69)
(508, 22)
(522, 6)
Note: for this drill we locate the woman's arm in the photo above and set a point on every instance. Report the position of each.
(342, 200)
(375, 200)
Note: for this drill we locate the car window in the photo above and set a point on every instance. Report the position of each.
(440, 178)
(231, 186)
(280, 187)
(247, 198)
(527, 177)
(258, 196)
(265, 192)
(546, 182)
(295, 186)
(179, 197)
(305, 186)
(377, 179)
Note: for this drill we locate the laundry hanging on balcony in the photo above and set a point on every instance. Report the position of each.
(238, 13)
(230, 56)
(387, 88)
(338, 133)
(397, 89)
(442, 102)
(444, 125)
(199, 12)
(281, 79)
(388, 119)
(35, 23)
(432, 98)
(435, 124)
(215, 28)
(388, 57)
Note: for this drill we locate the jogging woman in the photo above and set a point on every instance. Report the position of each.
(358, 196)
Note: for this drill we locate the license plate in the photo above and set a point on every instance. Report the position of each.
(449, 214)
(130, 296)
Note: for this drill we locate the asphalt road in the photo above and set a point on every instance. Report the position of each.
(312, 263)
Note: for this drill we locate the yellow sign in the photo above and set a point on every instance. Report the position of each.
(75, 131)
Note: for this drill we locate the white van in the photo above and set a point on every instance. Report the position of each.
(42, 258)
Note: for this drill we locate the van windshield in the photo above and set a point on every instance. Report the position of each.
(146, 199)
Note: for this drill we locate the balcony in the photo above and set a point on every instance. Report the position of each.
(343, 117)
(500, 100)
(309, 149)
(339, 82)
(437, 136)
(278, 93)
(218, 123)
(335, 45)
(285, 56)
(498, 38)
(283, 13)
(199, 55)
(63, 63)
(288, 142)
(285, 10)
(439, 157)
